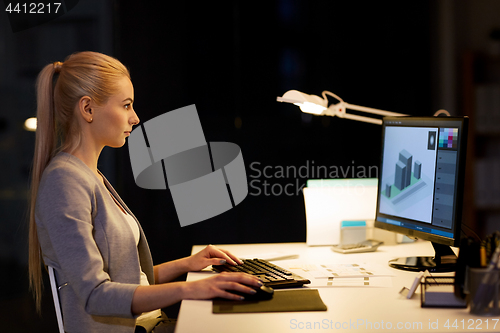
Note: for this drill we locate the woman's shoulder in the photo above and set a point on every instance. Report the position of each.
(69, 171)
(66, 164)
(66, 182)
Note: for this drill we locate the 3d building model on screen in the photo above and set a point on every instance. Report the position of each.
(406, 182)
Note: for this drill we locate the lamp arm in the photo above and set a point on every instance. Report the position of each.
(371, 110)
(326, 92)
(361, 118)
(340, 110)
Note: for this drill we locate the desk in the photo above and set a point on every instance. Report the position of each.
(353, 309)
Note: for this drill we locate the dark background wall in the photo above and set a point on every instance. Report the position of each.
(232, 59)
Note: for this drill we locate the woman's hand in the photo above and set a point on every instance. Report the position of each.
(221, 285)
(211, 255)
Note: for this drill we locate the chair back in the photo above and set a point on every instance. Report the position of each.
(55, 296)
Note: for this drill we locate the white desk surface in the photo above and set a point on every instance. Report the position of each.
(356, 309)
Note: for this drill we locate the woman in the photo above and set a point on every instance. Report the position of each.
(78, 223)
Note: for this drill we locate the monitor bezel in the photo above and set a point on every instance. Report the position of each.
(462, 152)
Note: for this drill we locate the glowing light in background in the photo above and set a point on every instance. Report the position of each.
(30, 124)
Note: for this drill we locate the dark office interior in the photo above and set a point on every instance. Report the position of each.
(232, 59)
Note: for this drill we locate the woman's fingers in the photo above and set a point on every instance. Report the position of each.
(224, 254)
(221, 285)
(232, 256)
(242, 278)
(229, 287)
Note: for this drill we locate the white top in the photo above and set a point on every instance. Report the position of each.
(144, 279)
(135, 228)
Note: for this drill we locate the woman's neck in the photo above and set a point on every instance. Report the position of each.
(87, 156)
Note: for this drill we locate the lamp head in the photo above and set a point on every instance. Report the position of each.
(307, 103)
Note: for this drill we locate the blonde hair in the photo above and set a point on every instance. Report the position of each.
(82, 74)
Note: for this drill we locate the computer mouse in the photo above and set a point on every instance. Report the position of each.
(262, 293)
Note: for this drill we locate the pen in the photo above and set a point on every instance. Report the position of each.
(492, 245)
(482, 254)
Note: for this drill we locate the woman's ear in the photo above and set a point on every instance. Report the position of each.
(85, 108)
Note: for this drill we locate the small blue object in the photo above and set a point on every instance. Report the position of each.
(353, 224)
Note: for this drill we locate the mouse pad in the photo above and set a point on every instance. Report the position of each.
(282, 301)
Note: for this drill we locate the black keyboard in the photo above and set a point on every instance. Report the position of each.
(271, 275)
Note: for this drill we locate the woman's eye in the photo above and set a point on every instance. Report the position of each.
(127, 106)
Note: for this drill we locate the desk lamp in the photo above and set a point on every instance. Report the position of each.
(319, 106)
(426, 204)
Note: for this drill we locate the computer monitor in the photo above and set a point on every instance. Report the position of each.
(420, 189)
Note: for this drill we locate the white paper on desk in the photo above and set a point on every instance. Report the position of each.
(377, 281)
(344, 275)
(356, 270)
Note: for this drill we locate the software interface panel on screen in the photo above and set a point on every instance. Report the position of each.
(418, 177)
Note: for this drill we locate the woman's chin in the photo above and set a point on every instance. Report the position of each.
(117, 144)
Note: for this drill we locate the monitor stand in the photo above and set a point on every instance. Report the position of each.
(444, 261)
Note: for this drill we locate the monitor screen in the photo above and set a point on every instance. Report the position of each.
(421, 177)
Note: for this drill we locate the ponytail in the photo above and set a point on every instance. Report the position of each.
(45, 145)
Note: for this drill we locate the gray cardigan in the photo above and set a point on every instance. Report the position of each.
(84, 235)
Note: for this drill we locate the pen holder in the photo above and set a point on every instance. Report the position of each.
(483, 288)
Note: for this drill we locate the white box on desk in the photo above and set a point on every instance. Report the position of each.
(329, 202)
